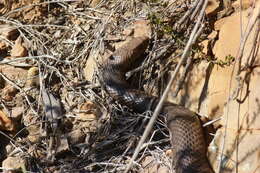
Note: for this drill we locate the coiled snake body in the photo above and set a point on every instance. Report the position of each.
(187, 137)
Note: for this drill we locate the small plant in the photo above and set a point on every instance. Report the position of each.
(227, 62)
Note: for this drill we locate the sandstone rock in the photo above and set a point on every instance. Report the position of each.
(245, 4)
(128, 31)
(13, 73)
(142, 28)
(212, 7)
(32, 77)
(208, 88)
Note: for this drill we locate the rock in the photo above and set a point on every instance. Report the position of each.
(142, 28)
(18, 49)
(32, 77)
(245, 4)
(205, 45)
(128, 31)
(208, 88)
(14, 73)
(16, 113)
(212, 7)
(13, 164)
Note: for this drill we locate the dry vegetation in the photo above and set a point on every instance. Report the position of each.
(48, 50)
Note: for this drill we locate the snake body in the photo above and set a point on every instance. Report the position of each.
(187, 137)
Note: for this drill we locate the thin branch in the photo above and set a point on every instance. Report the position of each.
(166, 91)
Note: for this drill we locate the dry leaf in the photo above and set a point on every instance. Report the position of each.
(9, 93)
(3, 47)
(5, 122)
(9, 32)
(52, 109)
(89, 111)
(94, 3)
(18, 49)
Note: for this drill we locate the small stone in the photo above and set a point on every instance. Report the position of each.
(142, 28)
(205, 45)
(9, 148)
(17, 113)
(32, 77)
(213, 35)
(57, 34)
(212, 7)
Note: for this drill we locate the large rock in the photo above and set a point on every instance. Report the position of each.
(208, 89)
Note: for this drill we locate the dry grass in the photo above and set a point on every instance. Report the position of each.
(64, 36)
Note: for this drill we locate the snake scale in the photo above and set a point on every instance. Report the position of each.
(187, 137)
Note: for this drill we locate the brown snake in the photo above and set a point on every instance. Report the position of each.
(187, 137)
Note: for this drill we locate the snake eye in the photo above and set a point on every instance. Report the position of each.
(111, 57)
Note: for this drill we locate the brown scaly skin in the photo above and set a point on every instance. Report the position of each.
(187, 138)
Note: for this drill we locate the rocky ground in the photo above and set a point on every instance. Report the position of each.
(55, 117)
